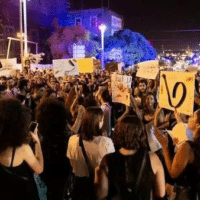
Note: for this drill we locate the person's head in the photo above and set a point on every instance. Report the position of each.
(150, 100)
(92, 123)
(129, 134)
(49, 93)
(3, 91)
(137, 92)
(142, 85)
(10, 83)
(22, 84)
(51, 116)
(194, 121)
(3, 80)
(14, 122)
(150, 83)
(104, 96)
(38, 91)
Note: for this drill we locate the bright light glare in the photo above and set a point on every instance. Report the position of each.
(102, 27)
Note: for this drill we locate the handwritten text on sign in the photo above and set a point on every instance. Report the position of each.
(120, 85)
(148, 69)
(177, 91)
(64, 67)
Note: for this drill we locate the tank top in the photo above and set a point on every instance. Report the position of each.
(19, 181)
(189, 177)
(123, 173)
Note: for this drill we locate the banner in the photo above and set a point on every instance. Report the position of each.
(177, 91)
(85, 65)
(120, 85)
(65, 67)
(8, 63)
(41, 66)
(148, 69)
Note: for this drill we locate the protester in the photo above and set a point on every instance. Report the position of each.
(119, 172)
(96, 147)
(18, 162)
(184, 166)
(52, 117)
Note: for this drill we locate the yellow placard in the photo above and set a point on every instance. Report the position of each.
(177, 91)
(85, 65)
(148, 69)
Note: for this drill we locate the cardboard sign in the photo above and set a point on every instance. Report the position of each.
(41, 66)
(85, 65)
(154, 144)
(177, 91)
(112, 66)
(120, 85)
(8, 63)
(65, 67)
(5, 72)
(148, 69)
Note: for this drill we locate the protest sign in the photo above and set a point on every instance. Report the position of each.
(120, 88)
(177, 91)
(5, 72)
(8, 63)
(112, 66)
(179, 132)
(85, 65)
(148, 69)
(41, 66)
(64, 67)
(154, 144)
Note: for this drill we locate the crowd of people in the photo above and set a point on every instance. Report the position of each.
(105, 145)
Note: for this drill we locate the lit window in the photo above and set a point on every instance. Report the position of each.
(78, 21)
(93, 21)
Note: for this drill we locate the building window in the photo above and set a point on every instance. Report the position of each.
(93, 21)
(34, 35)
(116, 22)
(78, 21)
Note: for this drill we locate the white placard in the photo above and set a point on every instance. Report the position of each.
(148, 69)
(120, 85)
(8, 63)
(64, 67)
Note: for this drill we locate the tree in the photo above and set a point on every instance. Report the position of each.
(129, 47)
(62, 40)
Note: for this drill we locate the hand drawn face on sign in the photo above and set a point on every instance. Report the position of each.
(177, 91)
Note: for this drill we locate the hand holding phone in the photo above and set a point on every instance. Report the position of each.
(33, 129)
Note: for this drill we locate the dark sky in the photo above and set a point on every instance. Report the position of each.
(147, 16)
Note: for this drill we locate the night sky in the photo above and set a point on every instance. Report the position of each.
(147, 16)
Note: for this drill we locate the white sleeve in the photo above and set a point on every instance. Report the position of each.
(106, 146)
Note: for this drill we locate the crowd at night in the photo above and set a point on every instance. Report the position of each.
(99, 101)
(71, 109)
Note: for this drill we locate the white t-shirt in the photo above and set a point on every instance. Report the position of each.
(95, 149)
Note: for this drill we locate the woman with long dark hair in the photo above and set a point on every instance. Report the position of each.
(18, 162)
(131, 172)
(52, 117)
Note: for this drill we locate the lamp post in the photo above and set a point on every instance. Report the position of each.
(23, 30)
(102, 28)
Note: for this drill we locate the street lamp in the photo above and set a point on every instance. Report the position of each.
(102, 28)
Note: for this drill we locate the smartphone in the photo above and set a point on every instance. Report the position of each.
(33, 126)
